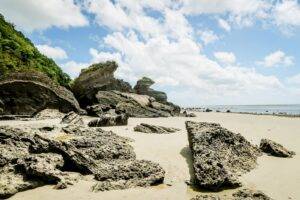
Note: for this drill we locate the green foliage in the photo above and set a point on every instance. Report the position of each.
(17, 53)
(109, 65)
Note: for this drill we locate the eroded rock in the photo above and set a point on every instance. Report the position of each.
(138, 173)
(250, 194)
(219, 155)
(72, 118)
(48, 114)
(206, 197)
(275, 149)
(30, 92)
(148, 128)
(143, 87)
(109, 120)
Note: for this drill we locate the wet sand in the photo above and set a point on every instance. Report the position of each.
(277, 177)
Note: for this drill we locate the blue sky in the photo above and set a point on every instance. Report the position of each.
(198, 51)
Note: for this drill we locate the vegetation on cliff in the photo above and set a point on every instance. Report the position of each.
(17, 53)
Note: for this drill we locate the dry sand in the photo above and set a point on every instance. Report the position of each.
(277, 177)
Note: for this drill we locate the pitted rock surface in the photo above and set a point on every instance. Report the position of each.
(275, 149)
(219, 155)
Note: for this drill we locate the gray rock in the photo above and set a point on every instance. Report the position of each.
(143, 87)
(148, 128)
(186, 114)
(48, 114)
(275, 149)
(29, 93)
(138, 173)
(97, 110)
(250, 195)
(206, 197)
(97, 77)
(72, 118)
(109, 120)
(219, 155)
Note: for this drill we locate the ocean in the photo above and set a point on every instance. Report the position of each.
(290, 109)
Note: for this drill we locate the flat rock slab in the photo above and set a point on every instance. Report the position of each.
(148, 128)
(109, 120)
(219, 155)
(72, 118)
(275, 149)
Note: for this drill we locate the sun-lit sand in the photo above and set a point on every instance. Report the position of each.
(277, 177)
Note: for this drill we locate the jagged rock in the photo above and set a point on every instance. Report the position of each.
(98, 77)
(72, 118)
(47, 128)
(48, 114)
(97, 110)
(30, 92)
(45, 167)
(275, 149)
(110, 120)
(148, 128)
(250, 195)
(143, 87)
(135, 105)
(130, 174)
(219, 155)
(12, 182)
(206, 197)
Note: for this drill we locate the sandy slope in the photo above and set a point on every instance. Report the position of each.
(277, 177)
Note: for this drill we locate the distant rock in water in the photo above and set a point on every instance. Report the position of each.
(148, 128)
(275, 149)
(97, 77)
(143, 87)
(110, 120)
(27, 93)
(219, 155)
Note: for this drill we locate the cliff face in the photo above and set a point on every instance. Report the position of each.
(143, 87)
(17, 53)
(98, 77)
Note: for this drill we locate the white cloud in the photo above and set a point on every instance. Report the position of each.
(277, 58)
(207, 36)
(294, 80)
(225, 57)
(287, 13)
(32, 15)
(55, 53)
(224, 24)
(73, 68)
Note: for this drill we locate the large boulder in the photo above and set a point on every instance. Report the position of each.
(219, 155)
(97, 77)
(109, 120)
(135, 105)
(275, 149)
(143, 87)
(27, 93)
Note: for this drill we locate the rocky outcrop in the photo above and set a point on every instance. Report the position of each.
(30, 92)
(48, 114)
(186, 114)
(72, 118)
(143, 87)
(242, 194)
(97, 77)
(250, 194)
(31, 160)
(135, 105)
(219, 155)
(148, 128)
(275, 149)
(140, 173)
(109, 120)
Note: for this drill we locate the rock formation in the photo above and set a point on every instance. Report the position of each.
(186, 114)
(243, 194)
(135, 105)
(28, 93)
(219, 155)
(97, 77)
(48, 114)
(143, 87)
(109, 120)
(72, 118)
(30, 160)
(275, 149)
(148, 128)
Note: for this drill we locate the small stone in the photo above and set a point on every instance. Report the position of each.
(275, 149)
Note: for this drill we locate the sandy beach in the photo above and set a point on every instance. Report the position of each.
(277, 177)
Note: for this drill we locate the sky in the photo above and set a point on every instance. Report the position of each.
(200, 52)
